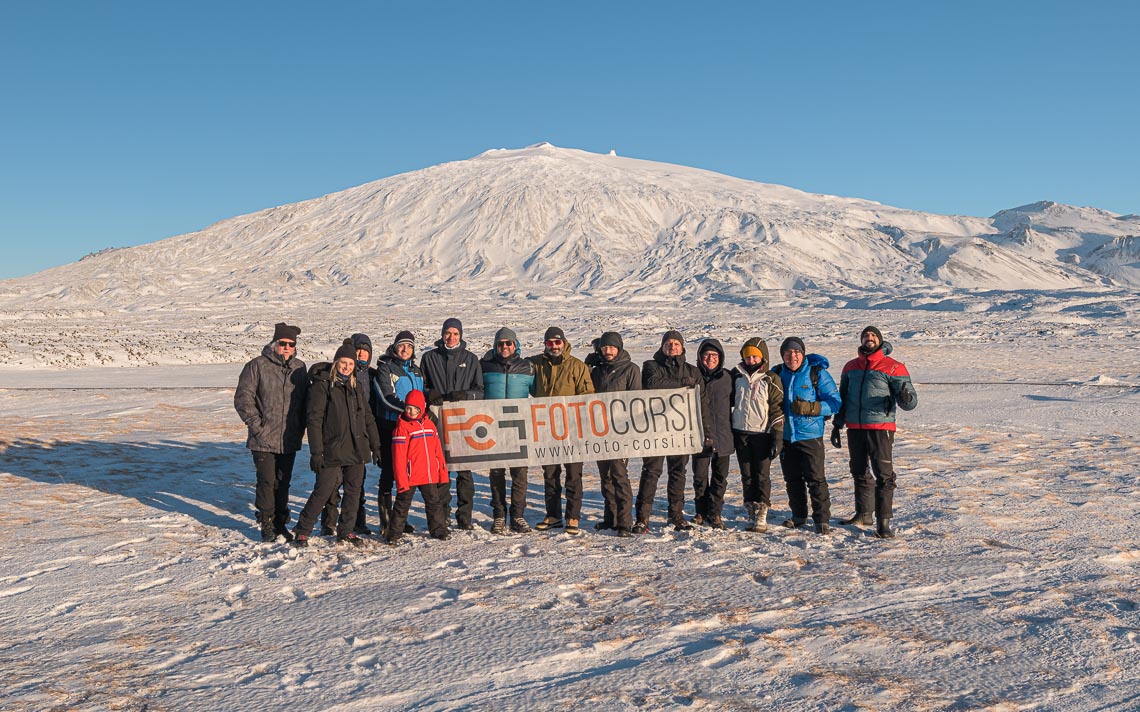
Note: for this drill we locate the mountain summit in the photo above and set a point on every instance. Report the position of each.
(549, 219)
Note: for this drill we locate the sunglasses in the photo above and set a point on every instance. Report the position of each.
(554, 342)
(504, 343)
(287, 344)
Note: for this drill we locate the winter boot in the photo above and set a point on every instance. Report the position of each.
(641, 528)
(680, 525)
(795, 522)
(572, 527)
(519, 526)
(864, 518)
(384, 504)
(884, 531)
(268, 531)
(757, 517)
(499, 526)
(822, 528)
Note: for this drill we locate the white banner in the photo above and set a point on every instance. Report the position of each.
(549, 431)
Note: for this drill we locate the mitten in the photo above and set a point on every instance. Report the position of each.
(803, 407)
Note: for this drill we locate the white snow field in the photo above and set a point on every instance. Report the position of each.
(133, 577)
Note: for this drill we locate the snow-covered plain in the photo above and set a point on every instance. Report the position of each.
(132, 577)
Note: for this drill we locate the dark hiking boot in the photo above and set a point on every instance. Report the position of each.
(499, 526)
(465, 526)
(326, 530)
(602, 526)
(640, 528)
(282, 531)
(300, 540)
(351, 539)
(680, 525)
(519, 526)
(883, 530)
(623, 533)
(795, 522)
(864, 518)
(699, 520)
(548, 524)
(822, 528)
(715, 523)
(442, 536)
(268, 532)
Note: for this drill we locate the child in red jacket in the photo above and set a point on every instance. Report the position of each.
(417, 458)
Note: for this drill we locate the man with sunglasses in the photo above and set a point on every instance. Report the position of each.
(557, 373)
(506, 374)
(270, 398)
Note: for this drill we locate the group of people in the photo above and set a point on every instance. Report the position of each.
(356, 413)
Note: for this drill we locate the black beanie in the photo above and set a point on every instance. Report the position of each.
(554, 333)
(347, 350)
(673, 334)
(452, 322)
(361, 341)
(284, 331)
(874, 330)
(404, 337)
(611, 338)
(793, 342)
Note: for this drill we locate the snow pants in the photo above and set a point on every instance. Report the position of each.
(552, 490)
(464, 496)
(873, 493)
(433, 508)
(498, 479)
(271, 497)
(328, 479)
(752, 451)
(617, 494)
(710, 480)
(651, 468)
(802, 463)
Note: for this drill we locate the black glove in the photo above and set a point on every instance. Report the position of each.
(315, 463)
(777, 446)
(433, 397)
(803, 407)
(905, 397)
(837, 436)
(377, 460)
(708, 442)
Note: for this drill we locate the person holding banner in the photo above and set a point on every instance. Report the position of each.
(611, 369)
(667, 369)
(452, 373)
(506, 374)
(557, 373)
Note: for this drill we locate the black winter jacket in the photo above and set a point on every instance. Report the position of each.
(669, 372)
(716, 403)
(342, 430)
(270, 398)
(621, 374)
(455, 373)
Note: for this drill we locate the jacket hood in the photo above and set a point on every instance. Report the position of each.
(391, 355)
(321, 371)
(661, 358)
(817, 360)
(417, 399)
(273, 356)
(763, 346)
(461, 347)
(713, 344)
(596, 358)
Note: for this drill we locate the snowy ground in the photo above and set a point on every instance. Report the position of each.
(131, 577)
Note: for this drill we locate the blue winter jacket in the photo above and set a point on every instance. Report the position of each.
(392, 381)
(513, 378)
(797, 384)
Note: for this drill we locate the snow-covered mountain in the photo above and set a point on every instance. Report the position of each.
(554, 220)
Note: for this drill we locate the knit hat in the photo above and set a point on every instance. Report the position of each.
(505, 334)
(874, 330)
(417, 399)
(346, 350)
(673, 334)
(793, 342)
(754, 347)
(452, 323)
(404, 337)
(554, 333)
(611, 338)
(361, 341)
(282, 330)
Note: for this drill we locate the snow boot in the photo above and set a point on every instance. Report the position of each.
(680, 525)
(640, 528)
(864, 518)
(795, 522)
(884, 531)
(757, 517)
(822, 528)
(519, 526)
(499, 526)
(268, 531)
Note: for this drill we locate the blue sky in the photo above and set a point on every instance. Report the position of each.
(126, 122)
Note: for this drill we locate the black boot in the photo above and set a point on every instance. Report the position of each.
(864, 518)
(884, 531)
(268, 531)
(384, 505)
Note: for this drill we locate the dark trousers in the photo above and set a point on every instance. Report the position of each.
(802, 463)
(271, 498)
(328, 479)
(873, 493)
(651, 468)
(387, 475)
(464, 496)
(752, 451)
(552, 490)
(710, 479)
(498, 478)
(330, 514)
(617, 493)
(433, 508)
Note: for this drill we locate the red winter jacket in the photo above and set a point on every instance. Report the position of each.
(417, 456)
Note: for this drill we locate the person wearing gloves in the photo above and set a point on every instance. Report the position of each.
(506, 374)
(667, 369)
(611, 369)
(342, 437)
(417, 462)
(396, 375)
(557, 373)
(363, 346)
(270, 398)
(757, 428)
(810, 396)
(710, 466)
(871, 386)
(452, 373)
